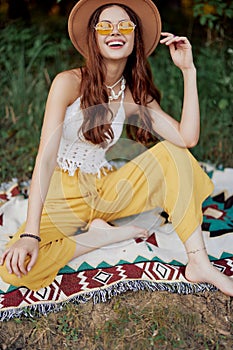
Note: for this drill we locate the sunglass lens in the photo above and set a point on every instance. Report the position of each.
(126, 27)
(104, 28)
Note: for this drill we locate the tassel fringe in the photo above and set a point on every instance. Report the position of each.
(104, 295)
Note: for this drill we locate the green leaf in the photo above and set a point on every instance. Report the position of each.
(203, 20)
(223, 103)
(229, 13)
(210, 24)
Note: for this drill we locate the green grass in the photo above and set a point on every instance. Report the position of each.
(215, 86)
(28, 63)
(157, 321)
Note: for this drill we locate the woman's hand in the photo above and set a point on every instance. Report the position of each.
(180, 50)
(15, 256)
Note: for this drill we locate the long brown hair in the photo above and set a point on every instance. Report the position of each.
(96, 126)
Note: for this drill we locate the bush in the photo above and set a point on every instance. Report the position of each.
(30, 58)
(28, 62)
(215, 16)
(215, 85)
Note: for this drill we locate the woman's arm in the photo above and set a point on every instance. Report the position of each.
(64, 91)
(186, 132)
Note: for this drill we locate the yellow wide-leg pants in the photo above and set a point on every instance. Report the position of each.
(164, 176)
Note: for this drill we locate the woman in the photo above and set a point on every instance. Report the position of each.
(72, 184)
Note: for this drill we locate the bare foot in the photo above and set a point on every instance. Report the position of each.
(101, 234)
(206, 272)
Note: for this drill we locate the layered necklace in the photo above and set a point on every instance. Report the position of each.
(113, 95)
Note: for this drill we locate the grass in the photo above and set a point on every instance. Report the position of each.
(215, 86)
(28, 66)
(158, 321)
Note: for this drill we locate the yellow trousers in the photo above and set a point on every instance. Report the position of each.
(164, 176)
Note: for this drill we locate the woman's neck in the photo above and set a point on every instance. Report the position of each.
(114, 72)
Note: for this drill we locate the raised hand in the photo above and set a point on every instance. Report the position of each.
(180, 50)
(15, 256)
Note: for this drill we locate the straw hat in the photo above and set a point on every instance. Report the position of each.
(145, 9)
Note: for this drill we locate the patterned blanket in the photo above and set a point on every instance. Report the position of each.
(155, 264)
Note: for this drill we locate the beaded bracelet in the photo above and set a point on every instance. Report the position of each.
(30, 235)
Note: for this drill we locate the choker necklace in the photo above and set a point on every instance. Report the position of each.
(113, 95)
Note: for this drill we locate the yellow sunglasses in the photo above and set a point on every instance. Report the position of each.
(123, 27)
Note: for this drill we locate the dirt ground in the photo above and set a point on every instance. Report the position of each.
(142, 320)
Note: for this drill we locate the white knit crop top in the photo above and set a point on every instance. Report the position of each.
(74, 152)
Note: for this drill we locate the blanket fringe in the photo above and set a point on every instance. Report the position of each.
(104, 295)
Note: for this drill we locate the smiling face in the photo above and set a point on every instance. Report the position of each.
(115, 45)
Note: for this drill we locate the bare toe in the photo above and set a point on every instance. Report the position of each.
(143, 234)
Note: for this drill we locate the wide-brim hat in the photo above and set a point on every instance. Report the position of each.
(145, 9)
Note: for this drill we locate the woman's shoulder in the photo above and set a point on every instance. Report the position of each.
(73, 76)
(70, 82)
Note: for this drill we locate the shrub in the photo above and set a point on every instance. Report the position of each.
(28, 61)
(215, 85)
(30, 58)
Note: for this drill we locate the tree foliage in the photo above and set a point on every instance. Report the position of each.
(216, 16)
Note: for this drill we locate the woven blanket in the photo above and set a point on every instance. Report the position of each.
(155, 264)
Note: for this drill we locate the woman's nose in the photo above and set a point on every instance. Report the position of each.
(115, 30)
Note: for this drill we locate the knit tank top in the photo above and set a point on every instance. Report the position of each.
(77, 153)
